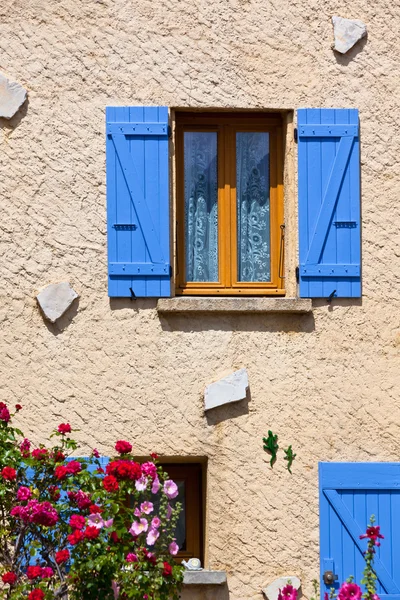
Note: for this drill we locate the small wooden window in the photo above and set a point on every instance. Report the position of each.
(189, 532)
(230, 230)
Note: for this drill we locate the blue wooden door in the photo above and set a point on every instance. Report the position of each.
(349, 494)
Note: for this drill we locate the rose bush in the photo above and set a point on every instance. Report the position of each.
(80, 528)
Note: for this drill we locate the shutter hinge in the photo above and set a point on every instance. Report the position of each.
(169, 131)
(295, 134)
(297, 274)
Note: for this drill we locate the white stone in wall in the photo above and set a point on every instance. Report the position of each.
(12, 96)
(347, 33)
(55, 299)
(229, 389)
(271, 592)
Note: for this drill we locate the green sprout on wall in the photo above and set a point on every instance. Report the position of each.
(289, 456)
(271, 446)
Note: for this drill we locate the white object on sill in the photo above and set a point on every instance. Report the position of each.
(55, 300)
(232, 388)
(204, 577)
(347, 33)
(271, 592)
(193, 564)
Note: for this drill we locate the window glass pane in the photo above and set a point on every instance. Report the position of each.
(201, 205)
(180, 532)
(253, 203)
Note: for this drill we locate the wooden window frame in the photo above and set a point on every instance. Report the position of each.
(226, 125)
(192, 474)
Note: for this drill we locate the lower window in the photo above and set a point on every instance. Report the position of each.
(189, 530)
(230, 230)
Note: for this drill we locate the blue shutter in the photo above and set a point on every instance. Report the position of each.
(138, 216)
(329, 203)
(349, 494)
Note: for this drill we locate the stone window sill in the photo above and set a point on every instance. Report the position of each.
(186, 304)
(204, 577)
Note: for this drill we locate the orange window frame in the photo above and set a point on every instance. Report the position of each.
(226, 125)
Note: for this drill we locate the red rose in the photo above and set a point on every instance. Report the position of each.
(115, 538)
(33, 572)
(62, 556)
(92, 532)
(9, 577)
(39, 453)
(124, 469)
(167, 570)
(64, 428)
(54, 492)
(25, 447)
(77, 522)
(154, 455)
(4, 413)
(110, 483)
(75, 538)
(61, 472)
(9, 474)
(94, 509)
(18, 407)
(58, 456)
(74, 467)
(123, 447)
(36, 594)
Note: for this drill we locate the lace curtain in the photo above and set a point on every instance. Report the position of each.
(201, 206)
(252, 196)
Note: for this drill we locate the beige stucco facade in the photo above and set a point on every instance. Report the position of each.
(327, 382)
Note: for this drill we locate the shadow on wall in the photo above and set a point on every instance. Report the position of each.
(11, 124)
(62, 323)
(345, 59)
(229, 411)
(196, 322)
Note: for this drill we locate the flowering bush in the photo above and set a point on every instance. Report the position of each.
(69, 529)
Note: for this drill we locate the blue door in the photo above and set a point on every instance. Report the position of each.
(349, 494)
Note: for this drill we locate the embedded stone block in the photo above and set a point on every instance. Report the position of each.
(271, 592)
(347, 33)
(232, 388)
(12, 96)
(55, 300)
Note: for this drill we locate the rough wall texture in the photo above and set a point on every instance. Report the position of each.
(325, 382)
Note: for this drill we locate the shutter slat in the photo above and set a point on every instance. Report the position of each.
(329, 203)
(138, 201)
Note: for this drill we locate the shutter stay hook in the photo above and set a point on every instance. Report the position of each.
(133, 297)
(330, 297)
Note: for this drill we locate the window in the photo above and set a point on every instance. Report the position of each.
(230, 231)
(189, 532)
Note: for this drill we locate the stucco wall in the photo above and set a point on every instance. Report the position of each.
(327, 382)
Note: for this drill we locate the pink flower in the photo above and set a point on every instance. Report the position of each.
(108, 523)
(170, 489)
(350, 591)
(96, 520)
(155, 523)
(23, 493)
(115, 589)
(139, 527)
(96, 453)
(289, 592)
(152, 537)
(137, 512)
(146, 507)
(131, 557)
(373, 533)
(149, 469)
(156, 486)
(141, 484)
(173, 548)
(169, 512)
(24, 447)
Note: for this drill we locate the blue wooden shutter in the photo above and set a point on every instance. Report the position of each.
(349, 494)
(329, 203)
(138, 217)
